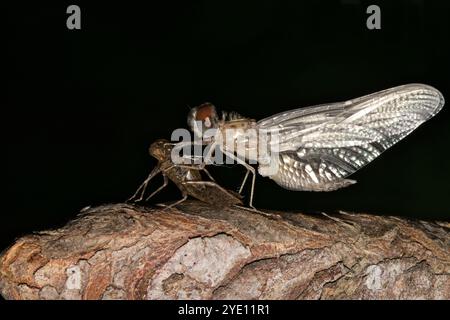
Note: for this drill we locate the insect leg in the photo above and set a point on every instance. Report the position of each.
(207, 157)
(249, 169)
(177, 148)
(185, 196)
(143, 186)
(201, 166)
(166, 181)
(208, 174)
(244, 181)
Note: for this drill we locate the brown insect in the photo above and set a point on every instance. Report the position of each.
(187, 178)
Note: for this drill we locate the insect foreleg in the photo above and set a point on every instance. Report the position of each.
(244, 181)
(186, 158)
(249, 169)
(208, 174)
(143, 186)
(207, 157)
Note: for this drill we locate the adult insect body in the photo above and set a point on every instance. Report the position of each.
(316, 148)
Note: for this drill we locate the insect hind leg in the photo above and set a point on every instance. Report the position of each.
(165, 183)
(166, 207)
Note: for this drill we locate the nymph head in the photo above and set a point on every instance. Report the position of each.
(161, 149)
(202, 118)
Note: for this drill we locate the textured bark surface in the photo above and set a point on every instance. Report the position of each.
(195, 251)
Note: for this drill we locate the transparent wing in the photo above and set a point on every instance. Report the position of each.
(321, 145)
(378, 117)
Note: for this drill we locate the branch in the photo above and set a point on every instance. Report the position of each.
(195, 251)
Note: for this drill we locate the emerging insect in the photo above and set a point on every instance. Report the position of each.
(187, 178)
(319, 146)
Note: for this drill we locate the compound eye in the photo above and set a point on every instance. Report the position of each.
(202, 117)
(205, 110)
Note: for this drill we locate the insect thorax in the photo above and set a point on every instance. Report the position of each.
(242, 138)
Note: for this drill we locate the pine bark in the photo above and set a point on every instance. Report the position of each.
(195, 251)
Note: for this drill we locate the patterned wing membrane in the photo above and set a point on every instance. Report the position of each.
(321, 145)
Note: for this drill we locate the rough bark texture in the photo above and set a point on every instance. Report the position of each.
(197, 252)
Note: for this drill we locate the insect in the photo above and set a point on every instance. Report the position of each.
(187, 178)
(318, 147)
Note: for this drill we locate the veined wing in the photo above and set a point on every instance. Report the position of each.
(380, 117)
(321, 145)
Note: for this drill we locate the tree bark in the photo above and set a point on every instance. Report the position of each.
(196, 251)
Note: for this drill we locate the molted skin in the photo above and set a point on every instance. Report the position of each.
(189, 180)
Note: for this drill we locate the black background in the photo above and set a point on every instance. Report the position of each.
(83, 105)
(169, 309)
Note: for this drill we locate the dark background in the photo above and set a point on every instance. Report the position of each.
(83, 105)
